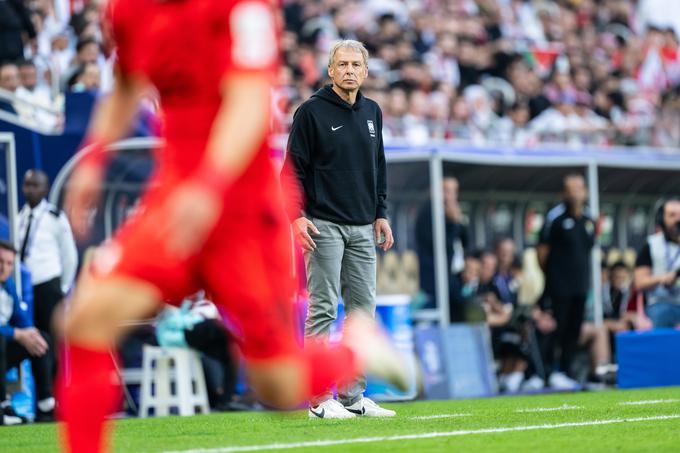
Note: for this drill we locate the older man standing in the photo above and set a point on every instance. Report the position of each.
(336, 151)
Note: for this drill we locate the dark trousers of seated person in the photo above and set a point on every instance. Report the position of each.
(11, 355)
(46, 298)
(568, 313)
(211, 338)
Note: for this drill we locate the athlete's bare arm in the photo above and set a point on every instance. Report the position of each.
(111, 121)
(112, 118)
(241, 123)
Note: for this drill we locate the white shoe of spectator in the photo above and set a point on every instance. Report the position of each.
(533, 384)
(511, 382)
(329, 409)
(375, 352)
(560, 381)
(9, 420)
(368, 408)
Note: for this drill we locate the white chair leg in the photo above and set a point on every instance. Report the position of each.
(145, 396)
(200, 397)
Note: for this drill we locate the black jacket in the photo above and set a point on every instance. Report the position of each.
(425, 248)
(336, 151)
(14, 19)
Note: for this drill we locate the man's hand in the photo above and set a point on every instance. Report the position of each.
(301, 228)
(381, 228)
(190, 213)
(452, 211)
(82, 195)
(668, 278)
(31, 339)
(545, 323)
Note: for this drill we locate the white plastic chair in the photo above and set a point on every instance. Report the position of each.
(163, 366)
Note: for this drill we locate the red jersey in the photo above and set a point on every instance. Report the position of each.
(186, 48)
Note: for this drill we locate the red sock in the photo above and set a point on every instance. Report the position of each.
(88, 392)
(329, 366)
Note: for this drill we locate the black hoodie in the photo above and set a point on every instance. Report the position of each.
(336, 151)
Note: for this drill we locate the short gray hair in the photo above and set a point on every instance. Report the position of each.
(348, 44)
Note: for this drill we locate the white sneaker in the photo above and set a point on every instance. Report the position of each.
(329, 409)
(560, 381)
(375, 351)
(9, 420)
(511, 382)
(533, 384)
(368, 408)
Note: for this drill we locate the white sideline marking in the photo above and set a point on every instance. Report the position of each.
(639, 403)
(362, 440)
(432, 417)
(564, 407)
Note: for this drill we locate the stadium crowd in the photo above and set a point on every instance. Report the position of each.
(598, 72)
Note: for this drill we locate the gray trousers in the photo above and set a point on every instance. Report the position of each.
(344, 260)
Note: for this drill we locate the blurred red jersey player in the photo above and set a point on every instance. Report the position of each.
(213, 219)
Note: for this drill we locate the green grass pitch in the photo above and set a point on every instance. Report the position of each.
(632, 420)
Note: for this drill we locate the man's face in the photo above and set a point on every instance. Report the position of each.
(89, 53)
(471, 270)
(489, 266)
(450, 189)
(348, 70)
(506, 253)
(29, 76)
(620, 278)
(671, 217)
(6, 264)
(34, 187)
(9, 77)
(91, 77)
(575, 191)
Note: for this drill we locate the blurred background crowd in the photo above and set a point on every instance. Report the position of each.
(520, 72)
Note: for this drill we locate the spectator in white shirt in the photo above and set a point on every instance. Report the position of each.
(46, 246)
(37, 97)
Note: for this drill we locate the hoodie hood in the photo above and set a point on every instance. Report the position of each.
(327, 94)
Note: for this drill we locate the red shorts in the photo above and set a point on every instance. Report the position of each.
(245, 265)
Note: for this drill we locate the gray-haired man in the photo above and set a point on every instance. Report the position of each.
(336, 150)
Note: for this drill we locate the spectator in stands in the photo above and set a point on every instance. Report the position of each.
(456, 240)
(658, 265)
(505, 279)
(36, 95)
(564, 254)
(87, 78)
(489, 267)
(46, 247)
(15, 26)
(464, 287)
(9, 81)
(20, 340)
(513, 129)
(30, 89)
(87, 51)
(616, 295)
